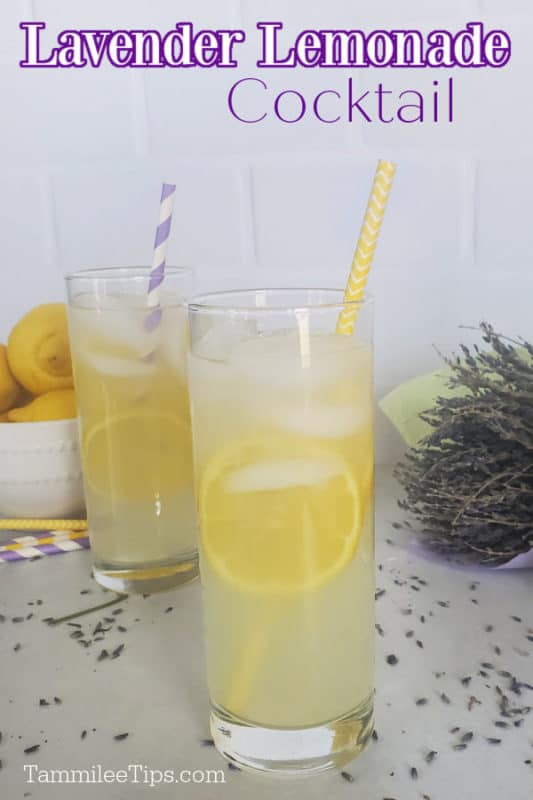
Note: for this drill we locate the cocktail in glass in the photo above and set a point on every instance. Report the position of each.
(282, 411)
(131, 389)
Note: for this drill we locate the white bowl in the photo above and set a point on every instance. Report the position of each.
(40, 469)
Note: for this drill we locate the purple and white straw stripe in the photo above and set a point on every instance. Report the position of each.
(157, 275)
(32, 549)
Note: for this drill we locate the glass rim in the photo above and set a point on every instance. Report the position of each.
(120, 273)
(207, 302)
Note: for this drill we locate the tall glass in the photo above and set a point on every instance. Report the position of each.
(133, 402)
(282, 411)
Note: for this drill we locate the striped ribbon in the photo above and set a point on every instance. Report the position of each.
(157, 274)
(47, 543)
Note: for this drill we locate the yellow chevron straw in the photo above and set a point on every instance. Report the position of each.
(70, 536)
(366, 246)
(43, 524)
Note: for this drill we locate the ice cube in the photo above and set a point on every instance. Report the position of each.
(327, 422)
(220, 341)
(172, 338)
(117, 366)
(288, 360)
(116, 324)
(273, 474)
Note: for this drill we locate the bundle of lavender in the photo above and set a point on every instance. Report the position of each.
(468, 476)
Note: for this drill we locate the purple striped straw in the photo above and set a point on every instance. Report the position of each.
(157, 274)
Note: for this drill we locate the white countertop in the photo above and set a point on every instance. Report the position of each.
(155, 689)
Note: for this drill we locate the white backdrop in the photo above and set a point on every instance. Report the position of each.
(83, 152)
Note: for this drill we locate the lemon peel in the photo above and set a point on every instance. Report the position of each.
(277, 517)
(9, 389)
(60, 404)
(38, 349)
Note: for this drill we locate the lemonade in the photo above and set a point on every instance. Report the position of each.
(283, 436)
(135, 439)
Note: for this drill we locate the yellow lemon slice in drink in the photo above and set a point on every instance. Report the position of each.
(138, 455)
(279, 516)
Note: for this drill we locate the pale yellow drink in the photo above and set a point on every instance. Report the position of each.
(283, 435)
(135, 440)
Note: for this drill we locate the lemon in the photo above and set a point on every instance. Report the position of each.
(279, 516)
(4, 416)
(9, 388)
(38, 350)
(51, 405)
(138, 455)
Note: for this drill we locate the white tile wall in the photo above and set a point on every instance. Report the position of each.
(318, 223)
(355, 13)
(161, 15)
(504, 231)
(28, 270)
(122, 201)
(64, 116)
(11, 13)
(82, 155)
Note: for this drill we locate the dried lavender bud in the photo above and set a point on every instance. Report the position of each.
(392, 660)
(347, 777)
(486, 517)
(431, 756)
(117, 651)
(119, 737)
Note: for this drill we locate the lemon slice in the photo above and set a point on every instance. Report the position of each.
(138, 455)
(279, 516)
